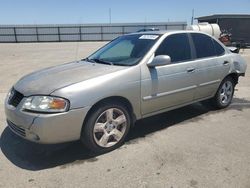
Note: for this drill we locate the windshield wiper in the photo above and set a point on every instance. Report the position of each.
(98, 61)
(102, 61)
(89, 60)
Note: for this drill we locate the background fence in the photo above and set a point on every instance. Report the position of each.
(86, 32)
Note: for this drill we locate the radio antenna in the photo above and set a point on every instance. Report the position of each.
(78, 41)
(110, 16)
(192, 19)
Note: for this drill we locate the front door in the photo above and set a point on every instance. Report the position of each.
(170, 85)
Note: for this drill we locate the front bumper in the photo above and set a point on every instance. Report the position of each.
(46, 128)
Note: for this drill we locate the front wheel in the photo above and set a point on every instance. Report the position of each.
(224, 95)
(106, 127)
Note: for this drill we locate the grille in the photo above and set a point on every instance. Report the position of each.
(18, 130)
(15, 98)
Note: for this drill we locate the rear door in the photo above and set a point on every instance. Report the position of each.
(211, 65)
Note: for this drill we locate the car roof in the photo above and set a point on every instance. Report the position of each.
(163, 32)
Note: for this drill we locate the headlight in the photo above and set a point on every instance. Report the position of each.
(45, 104)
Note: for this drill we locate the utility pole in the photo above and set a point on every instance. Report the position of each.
(109, 15)
(192, 19)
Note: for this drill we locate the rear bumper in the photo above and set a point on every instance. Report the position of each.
(46, 128)
(241, 74)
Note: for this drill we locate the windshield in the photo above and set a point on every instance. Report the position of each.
(126, 50)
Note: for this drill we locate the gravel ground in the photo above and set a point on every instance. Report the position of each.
(190, 147)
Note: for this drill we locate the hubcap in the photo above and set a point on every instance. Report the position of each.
(226, 92)
(110, 127)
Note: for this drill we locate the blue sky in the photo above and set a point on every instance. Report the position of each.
(97, 11)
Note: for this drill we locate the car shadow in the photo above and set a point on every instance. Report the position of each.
(32, 156)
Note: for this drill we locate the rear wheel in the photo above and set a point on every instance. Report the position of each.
(224, 95)
(106, 127)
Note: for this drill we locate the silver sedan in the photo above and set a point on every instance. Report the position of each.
(135, 76)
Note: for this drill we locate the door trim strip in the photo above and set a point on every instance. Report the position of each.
(209, 83)
(168, 93)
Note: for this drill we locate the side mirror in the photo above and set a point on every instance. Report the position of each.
(160, 60)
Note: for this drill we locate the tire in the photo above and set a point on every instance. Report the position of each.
(224, 94)
(106, 127)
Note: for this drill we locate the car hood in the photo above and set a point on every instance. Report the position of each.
(46, 81)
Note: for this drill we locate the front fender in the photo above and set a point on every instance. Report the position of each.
(124, 83)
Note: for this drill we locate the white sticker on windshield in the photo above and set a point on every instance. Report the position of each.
(149, 37)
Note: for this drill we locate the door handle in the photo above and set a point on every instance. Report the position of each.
(225, 63)
(190, 70)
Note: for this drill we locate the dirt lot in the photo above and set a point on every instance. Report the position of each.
(190, 147)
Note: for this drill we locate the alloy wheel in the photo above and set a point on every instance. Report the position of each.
(226, 93)
(109, 127)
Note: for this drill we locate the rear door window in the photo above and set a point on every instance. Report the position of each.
(204, 45)
(176, 46)
(218, 48)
